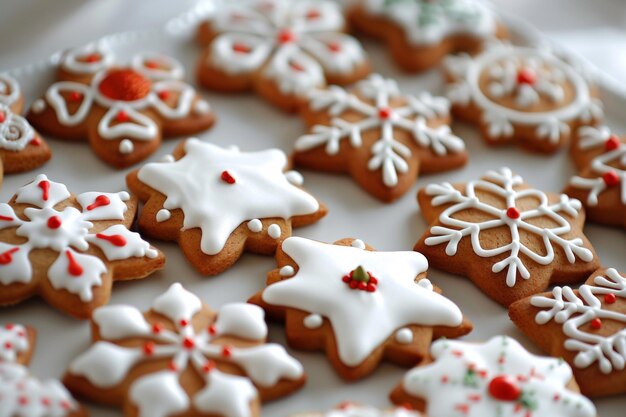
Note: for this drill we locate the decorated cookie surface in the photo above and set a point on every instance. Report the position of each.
(281, 48)
(534, 97)
(349, 409)
(517, 239)
(123, 111)
(183, 358)
(496, 379)
(367, 303)
(69, 249)
(380, 136)
(218, 202)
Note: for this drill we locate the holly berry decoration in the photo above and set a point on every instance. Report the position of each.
(360, 279)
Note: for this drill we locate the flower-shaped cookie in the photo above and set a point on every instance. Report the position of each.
(349, 409)
(21, 148)
(181, 358)
(586, 327)
(22, 395)
(359, 305)
(534, 97)
(498, 378)
(497, 229)
(280, 48)
(380, 136)
(420, 33)
(122, 111)
(218, 203)
(69, 249)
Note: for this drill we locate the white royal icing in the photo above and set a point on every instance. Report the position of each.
(194, 184)
(465, 380)
(255, 225)
(159, 394)
(404, 336)
(274, 231)
(313, 321)
(13, 342)
(38, 105)
(126, 146)
(9, 90)
(361, 320)
(505, 185)
(371, 101)
(75, 60)
(358, 243)
(357, 410)
(163, 215)
(15, 131)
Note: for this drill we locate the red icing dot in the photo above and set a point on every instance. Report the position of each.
(115, 240)
(54, 222)
(296, 67)
(384, 113)
(122, 116)
(76, 96)
(125, 85)
(208, 367)
(3, 117)
(23, 400)
(334, 47)
(313, 14)
(8, 346)
(151, 64)
(610, 298)
(46, 401)
(35, 141)
(556, 397)
(504, 388)
(9, 326)
(184, 323)
(596, 324)
(212, 330)
(65, 405)
(101, 200)
(91, 58)
(74, 268)
(157, 328)
(286, 36)
(512, 213)
(612, 143)
(188, 343)
(227, 177)
(5, 259)
(148, 348)
(444, 379)
(227, 351)
(611, 178)
(526, 76)
(164, 95)
(45, 189)
(241, 48)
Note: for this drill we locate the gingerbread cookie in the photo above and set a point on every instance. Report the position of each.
(69, 248)
(21, 147)
(530, 96)
(123, 111)
(349, 409)
(280, 48)
(587, 327)
(510, 239)
(358, 305)
(380, 136)
(600, 155)
(182, 358)
(21, 394)
(420, 33)
(498, 378)
(218, 203)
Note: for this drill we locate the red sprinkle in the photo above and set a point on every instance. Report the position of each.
(286, 36)
(54, 222)
(526, 76)
(3, 117)
(188, 343)
(74, 268)
(334, 47)
(611, 178)
(384, 113)
(164, 95)
(45, 189)
(8, 345)
(296, 67)
(512, 213)
(92, 58)
(6, 218)
(208, 367)
(241, 48)
(227, 351)
(157, 328)
(596, 324)
(313, 14)
(148, 348)
(152, 64)
(612, 143)
(101, 200)
(7, 257)
(76, 96)
(610, 298)
(115, 240)
(184, 323)
(23, 400)
(227, 177)
(212, 330)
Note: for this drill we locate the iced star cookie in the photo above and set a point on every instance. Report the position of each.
(69, 248)
(21, 394)
(218, 203)
(359, 305)
(348, 409)
(586, 327)
(420, 33)
(279, 48)
(510, 239)
(380, 136)
(183, 359)
(498, 378)
(21, 147)
(600, 156)
(533, 97)
(122, 111)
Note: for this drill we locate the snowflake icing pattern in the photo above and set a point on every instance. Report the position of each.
(371, 99)
(503, 183)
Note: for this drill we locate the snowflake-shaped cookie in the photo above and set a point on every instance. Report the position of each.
(496, 379)
(380, 136)
(497, 229)
(349, 409)
(357, 304)
(21, 148)
(590, 325)
(21, 394)
(181, 357)
(122, 111)
(601, 184)
(518, 94)
(420, 33)
(69, 249)
(281, 48)
(219, 202)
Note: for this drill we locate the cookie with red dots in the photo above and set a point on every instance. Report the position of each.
(21, 147)
(496, 378)
(419, 34)
(600, 156)
(350, 409)
(69, 248)
(533, 97)
(380, 136)
(508, 238)
(21, 394)
(183, 359)
(586, 327)
(358, 305)
(123, 111)
(279, 48)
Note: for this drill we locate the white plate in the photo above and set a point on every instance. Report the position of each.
(248, 122)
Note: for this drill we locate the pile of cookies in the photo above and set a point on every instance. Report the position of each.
(521, 246)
